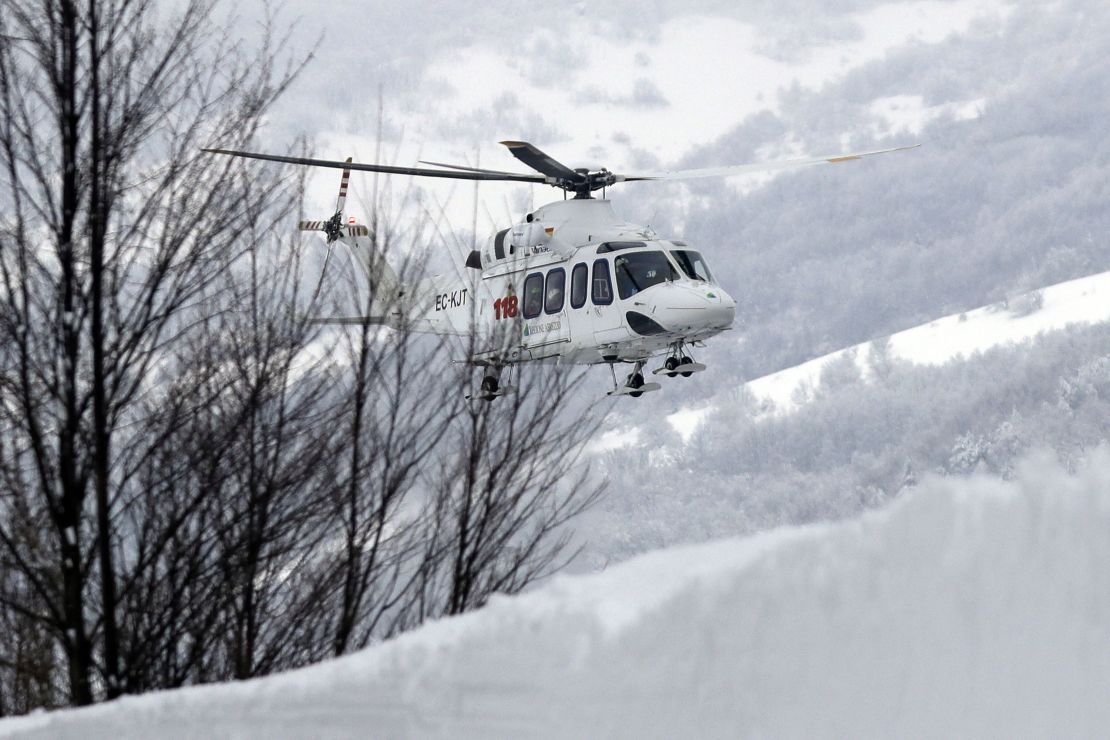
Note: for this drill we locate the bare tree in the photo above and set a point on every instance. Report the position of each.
(198, 482)
(514, 473)
(396, 421)
(113, 223)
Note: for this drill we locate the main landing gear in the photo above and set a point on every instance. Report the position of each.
(634, 384)
(491, 386)
(679, 363)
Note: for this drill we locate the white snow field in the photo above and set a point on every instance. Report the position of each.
(1085, 300)
(1082, 301)
(968, 608)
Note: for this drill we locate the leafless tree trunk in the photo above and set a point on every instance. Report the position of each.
(515, 474)
(198, 483)
(113, 223)
(397, 418)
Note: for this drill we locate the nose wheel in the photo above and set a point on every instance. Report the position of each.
(679, 363)
(634, 384)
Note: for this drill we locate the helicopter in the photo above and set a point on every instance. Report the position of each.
(572, 283)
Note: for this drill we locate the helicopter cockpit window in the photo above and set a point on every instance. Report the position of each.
(533, 295)
(556, 283)
(640, 270)
(602, 292)
(693, 264)
(578, 280)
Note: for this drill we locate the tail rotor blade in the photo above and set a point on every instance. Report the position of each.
(342, 200)
(323, 272)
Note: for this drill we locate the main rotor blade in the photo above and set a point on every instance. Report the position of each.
(464, 168)
(387, 169)
(541, 162)
(741, 169)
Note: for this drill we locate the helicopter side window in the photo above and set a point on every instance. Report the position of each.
(578, 281)
(499, 244)
(640, 270)
(533, 295)
(556, 284)
(602, 292)
(693, 264)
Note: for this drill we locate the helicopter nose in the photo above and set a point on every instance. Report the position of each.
(689, 308)
(721, 311)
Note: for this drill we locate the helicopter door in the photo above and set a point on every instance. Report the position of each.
(605, 316)
(545, 317)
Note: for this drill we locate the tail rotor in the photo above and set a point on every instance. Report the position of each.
(334, 228)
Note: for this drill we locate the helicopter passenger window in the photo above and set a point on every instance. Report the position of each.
(578, 281)
(533, 295)
(693, 264)
(602, 289)
(556, 284)
(640, 270)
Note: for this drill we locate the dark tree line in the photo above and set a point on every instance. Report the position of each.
(198, 482)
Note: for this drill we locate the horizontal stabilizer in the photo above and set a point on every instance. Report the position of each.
(353, 321)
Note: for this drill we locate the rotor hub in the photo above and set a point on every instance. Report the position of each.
(585, 182)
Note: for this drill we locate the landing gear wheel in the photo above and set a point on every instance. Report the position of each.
(686, 360)
(670, 365)
(633, 384)
(489, 384)
(636, 380)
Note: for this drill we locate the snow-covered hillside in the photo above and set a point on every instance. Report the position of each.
(969, 607)
(1082, 301)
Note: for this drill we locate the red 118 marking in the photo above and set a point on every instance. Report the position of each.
(505, 308)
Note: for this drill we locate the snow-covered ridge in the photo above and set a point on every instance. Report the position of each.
(1082, 301)
(970, 607)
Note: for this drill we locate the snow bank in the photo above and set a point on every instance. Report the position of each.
(1082, 301)
(969, 607)
(1075, 302)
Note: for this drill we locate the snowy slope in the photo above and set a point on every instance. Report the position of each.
(1082, 301)
(976, 608)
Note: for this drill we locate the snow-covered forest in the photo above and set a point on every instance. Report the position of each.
(198, 484)
(1007, 195)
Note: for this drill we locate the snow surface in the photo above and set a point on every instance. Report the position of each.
(969, 607)
(1082, 301)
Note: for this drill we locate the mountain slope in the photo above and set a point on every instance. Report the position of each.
(1085, 300)
(970, 606)
(1081, 301)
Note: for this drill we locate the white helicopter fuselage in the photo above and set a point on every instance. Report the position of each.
(573, 284)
